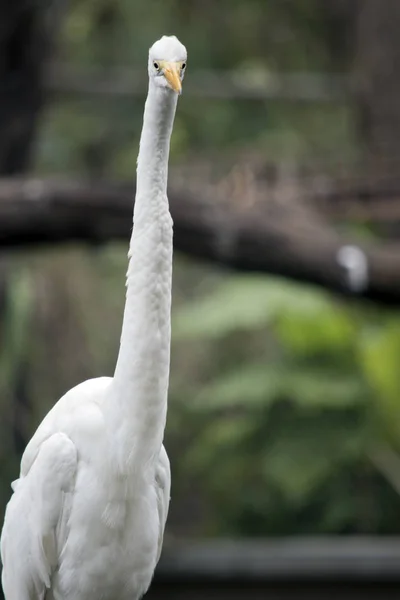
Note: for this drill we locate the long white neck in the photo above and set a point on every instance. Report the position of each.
(138, 402)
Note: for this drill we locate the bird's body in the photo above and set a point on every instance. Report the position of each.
(108, 535)
(87, 516)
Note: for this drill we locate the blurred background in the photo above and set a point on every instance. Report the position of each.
(285, 383)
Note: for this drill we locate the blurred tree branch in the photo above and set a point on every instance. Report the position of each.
(36, 212)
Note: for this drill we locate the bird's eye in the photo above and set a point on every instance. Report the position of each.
(183, 66)
(156, 66)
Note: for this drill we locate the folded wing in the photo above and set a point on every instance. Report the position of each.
(163, 482)
(35, 524)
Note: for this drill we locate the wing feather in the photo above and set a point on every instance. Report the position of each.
(34, 528)
(163, 482)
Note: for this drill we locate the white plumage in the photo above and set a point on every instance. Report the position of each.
(87, 516)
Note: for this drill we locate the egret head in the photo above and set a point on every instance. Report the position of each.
(167, 63)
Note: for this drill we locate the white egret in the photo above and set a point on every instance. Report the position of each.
(87, 516)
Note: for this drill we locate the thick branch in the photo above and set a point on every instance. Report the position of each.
(34, 212)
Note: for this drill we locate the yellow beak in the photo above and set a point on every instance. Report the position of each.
(172, 75)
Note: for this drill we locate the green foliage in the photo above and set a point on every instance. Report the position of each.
(16, 346)
(284, 428)
(258, 39)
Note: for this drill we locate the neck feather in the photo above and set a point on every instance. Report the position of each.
(140, 384)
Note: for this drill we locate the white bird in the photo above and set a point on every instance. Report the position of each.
(87, 516)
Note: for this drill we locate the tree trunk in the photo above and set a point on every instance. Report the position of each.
(26, 30)
(377, 66)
